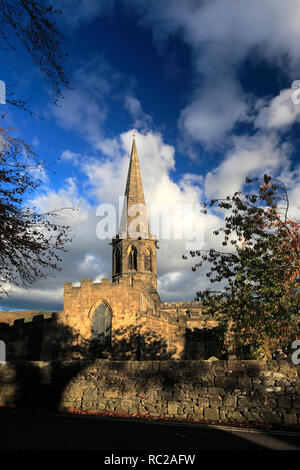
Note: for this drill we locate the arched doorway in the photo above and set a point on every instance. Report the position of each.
(101, 324)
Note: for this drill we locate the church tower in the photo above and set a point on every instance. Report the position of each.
(134, 249)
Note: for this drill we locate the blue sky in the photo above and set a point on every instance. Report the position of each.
(207, 86)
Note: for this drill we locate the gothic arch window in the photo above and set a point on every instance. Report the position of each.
(132, 258)
(117, 261)
(148, 260)
(101, 324)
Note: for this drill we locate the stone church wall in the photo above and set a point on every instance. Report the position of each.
(148, 335)
(141, 327)
(219, 391)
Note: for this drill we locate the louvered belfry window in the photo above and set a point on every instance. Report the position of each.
(148, 260)
(132, 258)
(117, 260)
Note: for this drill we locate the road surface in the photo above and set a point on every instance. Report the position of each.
(44, 431)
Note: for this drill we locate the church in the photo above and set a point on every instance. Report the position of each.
(130, 299)
(123, 316)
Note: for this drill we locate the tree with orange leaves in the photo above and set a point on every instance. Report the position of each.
(260, 274)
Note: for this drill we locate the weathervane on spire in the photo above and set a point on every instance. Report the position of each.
(134, 131)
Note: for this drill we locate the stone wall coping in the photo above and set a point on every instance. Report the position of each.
(220, 364)
(192, 303)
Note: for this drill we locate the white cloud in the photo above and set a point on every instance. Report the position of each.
(249, 156)
(221, 36)
(69, 156)
(84, 107)
(214, 111)
(141, 120)
(279, 113)
(87, 256)
(262, 152)
(43, 298)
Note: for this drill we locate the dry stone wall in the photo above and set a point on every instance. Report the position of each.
(219, 391)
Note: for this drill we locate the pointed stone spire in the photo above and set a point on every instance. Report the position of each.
(134, 222)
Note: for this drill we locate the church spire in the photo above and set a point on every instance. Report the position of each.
(134, 250)
(134, 222)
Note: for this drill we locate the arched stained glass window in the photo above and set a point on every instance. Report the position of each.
(132, 258)
(101, 324)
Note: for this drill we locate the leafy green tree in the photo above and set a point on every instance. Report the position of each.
(258, 300)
